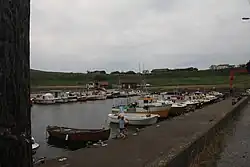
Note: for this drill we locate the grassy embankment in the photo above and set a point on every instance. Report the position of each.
(170, 79)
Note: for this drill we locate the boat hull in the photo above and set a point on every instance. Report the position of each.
(162, 111)
(141, 121)
(61, 100)
(175, 111)
(82, 99)
(77, 135)
(45, 102)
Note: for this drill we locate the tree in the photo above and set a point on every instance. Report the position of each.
(100, 77)
(15, 123)
(130, 72)
(115, 72)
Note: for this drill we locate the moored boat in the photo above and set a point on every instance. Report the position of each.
(78, 135)
(149, 105)
(177, 109)
(35, 145)
(101, 97)
(135, 119)
(47, 98)
(110, 96)
(146, 105)
(82, 98)
(71, 97)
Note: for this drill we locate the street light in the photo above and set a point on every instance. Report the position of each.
(245, 18)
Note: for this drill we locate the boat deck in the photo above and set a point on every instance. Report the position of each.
(164, 139)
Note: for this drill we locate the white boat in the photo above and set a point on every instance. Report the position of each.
(150, 105)
(136, 119)
(248, 91)
(35, 145)
(61, 100)
(47, 98)
(71, 97)
(97, 96)
(177, 108)
(60, 97)
(101, 97)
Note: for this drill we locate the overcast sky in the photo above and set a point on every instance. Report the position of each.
(81, 35)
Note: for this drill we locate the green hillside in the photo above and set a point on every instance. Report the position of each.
(155, 78)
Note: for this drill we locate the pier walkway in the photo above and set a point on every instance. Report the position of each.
(166, 139)
(236, 152)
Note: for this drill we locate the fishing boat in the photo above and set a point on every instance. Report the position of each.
(135, 119)
(71, 97)
(150, 105)
(110, 96)
(191, 104)
(47, 98)
(82, 98)
(78, 135)
(101, 97)
(59, 96)
(177, 109)
(35, 145)
(146, 105)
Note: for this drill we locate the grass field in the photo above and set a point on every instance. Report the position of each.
(202, 78)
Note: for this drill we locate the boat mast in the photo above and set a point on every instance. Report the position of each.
(143, 80)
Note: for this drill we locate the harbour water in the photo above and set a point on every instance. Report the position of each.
(83, 115)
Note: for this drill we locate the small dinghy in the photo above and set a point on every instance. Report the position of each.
(135, 119)
(78, 135)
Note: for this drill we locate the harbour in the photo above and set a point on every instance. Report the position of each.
(96, 115)
(180, 132)
(91, 114)
(91, 105)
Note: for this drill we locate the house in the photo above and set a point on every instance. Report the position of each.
(130, 82)
(221, 66)
(145, 72)
(90, 85)
(94, 85)
(103, 84)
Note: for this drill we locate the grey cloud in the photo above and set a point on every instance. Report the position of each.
(81, 35)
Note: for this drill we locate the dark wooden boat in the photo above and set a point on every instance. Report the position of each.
(78, 135)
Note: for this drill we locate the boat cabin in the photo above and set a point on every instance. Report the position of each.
(173, 96)
(146, 101)
(46, 96)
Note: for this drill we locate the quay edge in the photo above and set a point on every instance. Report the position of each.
(173, 143)
(185, 157)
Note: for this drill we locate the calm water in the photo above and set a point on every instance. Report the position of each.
(92, 114)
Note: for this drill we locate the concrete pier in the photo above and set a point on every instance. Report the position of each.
(174, 142)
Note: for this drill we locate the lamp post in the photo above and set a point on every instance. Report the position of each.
(245, 18)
